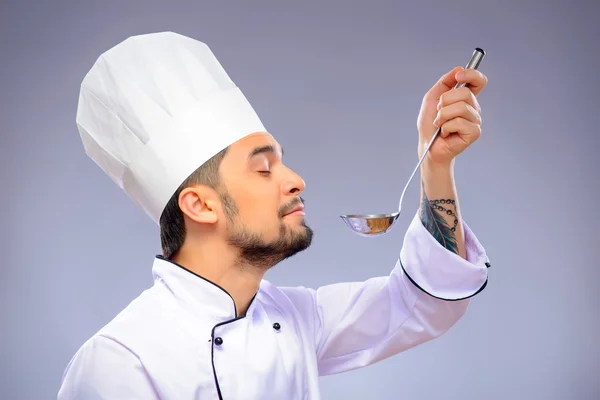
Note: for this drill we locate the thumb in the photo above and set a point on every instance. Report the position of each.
(444, 84)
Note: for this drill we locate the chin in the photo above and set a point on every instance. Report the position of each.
(298, 225)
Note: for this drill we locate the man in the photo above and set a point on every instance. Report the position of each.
(162, 118)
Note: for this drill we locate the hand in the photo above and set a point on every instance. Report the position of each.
(455, 110)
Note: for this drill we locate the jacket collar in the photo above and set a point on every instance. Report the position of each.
(197, 293)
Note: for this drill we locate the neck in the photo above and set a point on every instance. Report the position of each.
(218, 263)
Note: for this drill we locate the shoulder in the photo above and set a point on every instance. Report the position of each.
(113, 348)
(143, 325)
(150, 318)
(138, 316)
(86, 375)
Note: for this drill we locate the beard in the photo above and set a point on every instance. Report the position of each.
(257, 252)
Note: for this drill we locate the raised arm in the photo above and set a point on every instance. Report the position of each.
(441, 265)
(457, 112)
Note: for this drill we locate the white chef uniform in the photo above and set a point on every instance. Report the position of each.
(142, 106)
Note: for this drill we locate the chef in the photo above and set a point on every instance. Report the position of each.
(159, 114)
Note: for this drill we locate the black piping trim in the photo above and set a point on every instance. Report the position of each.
(212, 349)
(212, 352)
(212, 333)
(211, 282)
(437, 297)
(201, 277)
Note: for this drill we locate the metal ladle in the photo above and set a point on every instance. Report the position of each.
(379, 224)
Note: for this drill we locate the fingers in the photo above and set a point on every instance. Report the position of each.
(468, 131)
(444, 84)
(458, 109)
(461, 94)
(474, 78)
(462, 110)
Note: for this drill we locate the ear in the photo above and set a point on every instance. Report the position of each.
(198, 203)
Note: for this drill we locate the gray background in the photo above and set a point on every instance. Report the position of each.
(339, 84)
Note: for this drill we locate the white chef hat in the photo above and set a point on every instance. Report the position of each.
(153, 109)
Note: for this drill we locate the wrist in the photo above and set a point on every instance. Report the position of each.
(434, 161)
(431, 167)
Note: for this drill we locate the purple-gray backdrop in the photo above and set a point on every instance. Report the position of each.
(339, 83)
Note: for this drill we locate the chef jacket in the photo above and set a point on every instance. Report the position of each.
(182, 339)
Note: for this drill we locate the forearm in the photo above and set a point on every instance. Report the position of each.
(439, 207)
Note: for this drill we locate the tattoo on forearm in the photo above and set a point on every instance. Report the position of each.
(433, 219)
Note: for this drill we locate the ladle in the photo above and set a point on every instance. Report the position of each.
(379, 224)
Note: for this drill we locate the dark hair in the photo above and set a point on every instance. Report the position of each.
(172, 224)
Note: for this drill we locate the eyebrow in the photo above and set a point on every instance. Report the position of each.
(262, 150)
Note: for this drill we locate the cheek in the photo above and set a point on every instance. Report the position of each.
(258, 207)
(262, 219)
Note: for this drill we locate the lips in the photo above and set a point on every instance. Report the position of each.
(299, 210)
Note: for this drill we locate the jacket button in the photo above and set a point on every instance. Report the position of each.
(276, 326)
(218, 341)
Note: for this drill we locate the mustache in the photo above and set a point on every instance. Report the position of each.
(290, 206)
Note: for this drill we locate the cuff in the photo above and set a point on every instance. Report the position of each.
(439, 272)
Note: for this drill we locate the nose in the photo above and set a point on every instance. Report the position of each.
(293, 184)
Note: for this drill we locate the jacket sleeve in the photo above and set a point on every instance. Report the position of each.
(105, 369)
(356, 324)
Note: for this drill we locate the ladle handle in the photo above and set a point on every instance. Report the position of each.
(476, 59)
